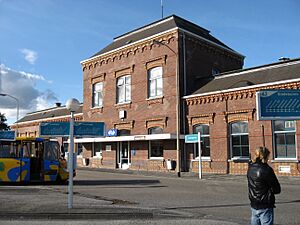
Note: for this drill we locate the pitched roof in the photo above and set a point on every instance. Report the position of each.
(48, 114)
(270, 73)
(157, 27)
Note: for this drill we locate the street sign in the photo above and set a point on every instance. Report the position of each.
(90, 129)
(280, 104)
(9, 135)
(191, 138)
(81, 129)
(55, 129)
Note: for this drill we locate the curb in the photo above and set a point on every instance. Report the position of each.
(75, 216)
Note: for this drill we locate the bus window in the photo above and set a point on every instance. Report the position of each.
(26, 150)
(5, 151)
(51, 150)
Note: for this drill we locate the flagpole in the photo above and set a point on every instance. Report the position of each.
(162, 9)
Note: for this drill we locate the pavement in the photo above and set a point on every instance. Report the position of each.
(49, 202)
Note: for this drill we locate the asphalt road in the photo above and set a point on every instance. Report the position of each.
(119, 198)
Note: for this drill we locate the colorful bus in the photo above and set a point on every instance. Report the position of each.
(32, 160)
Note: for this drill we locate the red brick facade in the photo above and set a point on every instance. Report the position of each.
(196, 58)
(218, 110)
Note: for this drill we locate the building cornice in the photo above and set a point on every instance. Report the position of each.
(129, 49)
(237, 94)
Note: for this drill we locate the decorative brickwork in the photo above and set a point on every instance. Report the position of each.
(201, 119)
(156, 122)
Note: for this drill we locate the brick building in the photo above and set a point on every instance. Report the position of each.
(28, 126)
(135, 86)
(153, 85)
(225, 109)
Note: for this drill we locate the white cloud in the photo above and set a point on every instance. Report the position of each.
(22, 85)
(29, 55)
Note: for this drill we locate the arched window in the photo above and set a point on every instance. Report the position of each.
(156, 149)
(205, 142)
(239, 139)
(155, 82)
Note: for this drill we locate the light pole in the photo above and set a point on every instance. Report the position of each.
(178, 152)
(72, 105)
(18, 107)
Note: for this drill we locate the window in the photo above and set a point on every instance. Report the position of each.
(52, 150)
(97, 149)
(205, 143)
(124, 89)
(155, 82)
(155, 147)
(239, 139)
(79, 149)
(285, 139)
(98, 94)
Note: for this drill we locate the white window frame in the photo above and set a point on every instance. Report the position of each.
(238, 134)
(124, 85)
(154, 81)
(97, 95)
(284, 132)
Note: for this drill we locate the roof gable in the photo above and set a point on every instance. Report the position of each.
(163, 25)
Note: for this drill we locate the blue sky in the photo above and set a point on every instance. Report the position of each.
(43, 41)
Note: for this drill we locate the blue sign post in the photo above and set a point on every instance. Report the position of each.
(196, 138)
(278, 104)
(191, 138)
(7, 135)
(89, 129)
(81, 129)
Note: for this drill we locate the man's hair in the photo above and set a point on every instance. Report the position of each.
(261, 154)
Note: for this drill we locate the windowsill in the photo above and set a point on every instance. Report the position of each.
(123, 105)
(203, 159)
(156, 159)
(239, 159)
(97, 109)
(97, 157)
(79, 156)
(155, 100)
(285, 160)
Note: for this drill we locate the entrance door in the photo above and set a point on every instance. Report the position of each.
(124, 155)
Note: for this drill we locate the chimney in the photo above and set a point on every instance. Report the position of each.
(282, 59)
(58, 104)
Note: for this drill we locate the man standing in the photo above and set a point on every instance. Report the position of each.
(262, 185)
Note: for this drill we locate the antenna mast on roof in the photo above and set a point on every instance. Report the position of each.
(162, 9)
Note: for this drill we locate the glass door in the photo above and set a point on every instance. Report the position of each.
(124, 156)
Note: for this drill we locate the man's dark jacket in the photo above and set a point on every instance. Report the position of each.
(262, 184)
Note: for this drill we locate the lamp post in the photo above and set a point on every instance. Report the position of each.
(178, 152)
(72, 105)
(18, 107)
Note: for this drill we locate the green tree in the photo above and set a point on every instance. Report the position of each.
(3, 125)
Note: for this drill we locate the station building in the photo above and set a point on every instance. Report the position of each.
(156, 84)
(225, 111)
(135, 86)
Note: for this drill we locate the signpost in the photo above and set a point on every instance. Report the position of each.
(282, 104)
(81, 129)
(196, 138)
(7, 135)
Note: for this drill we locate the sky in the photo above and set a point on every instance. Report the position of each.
(43, 41)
